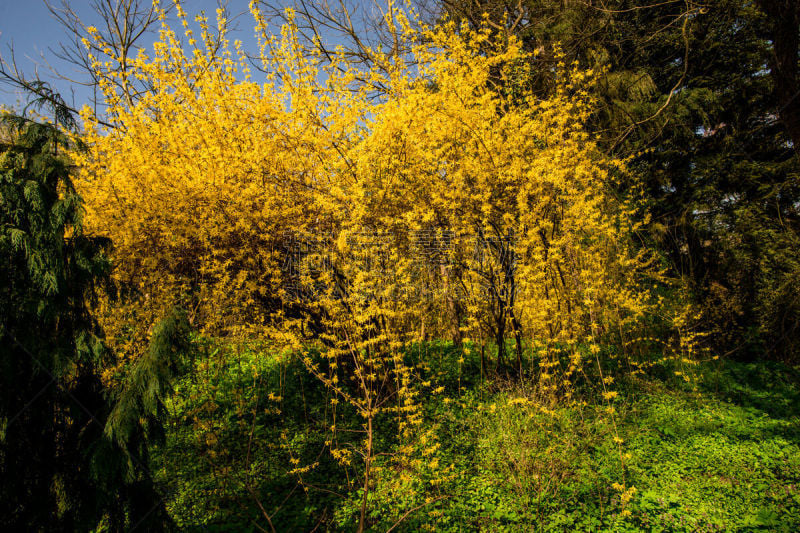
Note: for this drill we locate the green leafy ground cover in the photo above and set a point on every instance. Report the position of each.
(719, 454)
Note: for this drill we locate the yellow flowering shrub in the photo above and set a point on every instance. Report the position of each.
(423, 195)
(203, 180)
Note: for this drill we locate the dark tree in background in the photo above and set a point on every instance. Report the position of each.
(783, 21)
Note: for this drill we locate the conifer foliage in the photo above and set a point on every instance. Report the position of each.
(59, 471)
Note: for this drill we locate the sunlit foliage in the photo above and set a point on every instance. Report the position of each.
(427, 200)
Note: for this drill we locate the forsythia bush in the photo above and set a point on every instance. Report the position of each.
(204, 180)
(357, 209)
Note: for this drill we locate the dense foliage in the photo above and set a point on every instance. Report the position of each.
(696, 94)
(521, 267)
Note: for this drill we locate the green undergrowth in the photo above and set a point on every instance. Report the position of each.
(721, 453)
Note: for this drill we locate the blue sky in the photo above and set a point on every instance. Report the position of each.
(35, 33)
(28, 25)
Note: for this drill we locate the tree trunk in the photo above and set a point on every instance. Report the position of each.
(362, 520)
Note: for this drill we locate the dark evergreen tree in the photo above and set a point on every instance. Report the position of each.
(72, 453)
